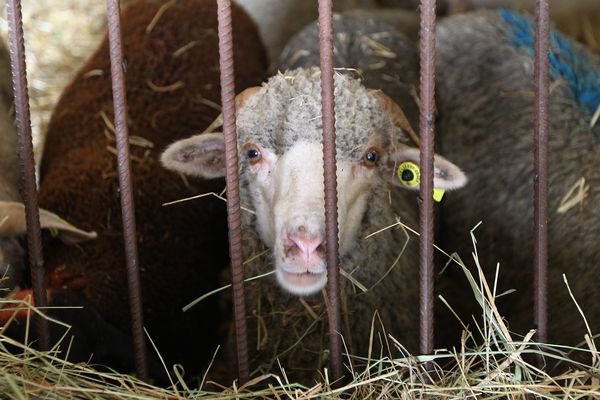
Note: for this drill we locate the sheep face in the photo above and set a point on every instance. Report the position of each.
(287, 193)
(281, 168)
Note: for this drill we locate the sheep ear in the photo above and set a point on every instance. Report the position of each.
(394, 111)
(446, 175)
(201, 155)
(12, 223)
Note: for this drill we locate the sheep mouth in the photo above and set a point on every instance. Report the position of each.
(303, 283)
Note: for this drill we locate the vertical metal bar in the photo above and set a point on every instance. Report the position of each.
(125, 186)
(28, 189)
(542, 46)
(427, 120)
(233, 185)
(329, 166)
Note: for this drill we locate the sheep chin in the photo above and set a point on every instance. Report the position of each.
(304, 284)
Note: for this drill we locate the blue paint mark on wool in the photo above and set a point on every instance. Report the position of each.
(566, 62)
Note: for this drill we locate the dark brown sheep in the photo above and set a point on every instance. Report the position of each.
(171, 62)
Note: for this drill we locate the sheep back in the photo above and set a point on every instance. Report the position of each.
(486, 105)
(383, 57)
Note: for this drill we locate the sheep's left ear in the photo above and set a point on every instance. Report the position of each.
(446, 175)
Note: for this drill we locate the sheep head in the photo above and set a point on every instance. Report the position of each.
(281, 166)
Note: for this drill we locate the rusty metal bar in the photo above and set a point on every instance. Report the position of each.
(427, 120)
(27, 164)
(542, 47)
(329, 165)
(125, 186)
(233, 185)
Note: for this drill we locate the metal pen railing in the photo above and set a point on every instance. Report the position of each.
(427, 118)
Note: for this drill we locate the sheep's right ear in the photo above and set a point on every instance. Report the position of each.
(201, 155)
(12, 223)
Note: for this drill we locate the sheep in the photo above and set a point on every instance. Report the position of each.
(279, 20)
(11, 251)
(171, 57)
(281, 173)
(12, 215)
(579, 19)
(486, 111)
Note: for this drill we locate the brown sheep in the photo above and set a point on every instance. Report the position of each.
(171, 60)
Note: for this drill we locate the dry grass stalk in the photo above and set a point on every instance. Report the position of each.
(378, 48)
(595, 117)
(576, 195)
(167, 88)
(218, 196)
(159, 14)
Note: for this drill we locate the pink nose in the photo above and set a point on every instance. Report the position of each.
(307, 245)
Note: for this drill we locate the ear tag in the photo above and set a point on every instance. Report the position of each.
(438, 194)
(409, 175)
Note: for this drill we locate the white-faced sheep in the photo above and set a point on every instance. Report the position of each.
(486, 106)
(279, 143)
(171, 54)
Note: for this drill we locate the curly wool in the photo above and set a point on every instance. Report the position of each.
(288, 109)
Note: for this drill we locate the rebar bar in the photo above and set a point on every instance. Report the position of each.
(27, 164)
(427, 120)
(233, 185)
(330, 181)
(542, 47)
(125, 188)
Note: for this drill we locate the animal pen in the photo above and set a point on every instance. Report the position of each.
(427, 110)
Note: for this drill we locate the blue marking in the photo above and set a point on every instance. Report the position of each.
(566, 63)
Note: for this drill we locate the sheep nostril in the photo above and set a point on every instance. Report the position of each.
(322, 249)
(305, 244)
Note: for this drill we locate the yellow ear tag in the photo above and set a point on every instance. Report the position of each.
(409, 175)
(438, 194)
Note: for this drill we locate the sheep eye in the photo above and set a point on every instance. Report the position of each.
(253, 154)
(371, 157)
(252, 151)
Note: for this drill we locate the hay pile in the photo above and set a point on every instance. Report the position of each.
(59, 36)
(489, 364)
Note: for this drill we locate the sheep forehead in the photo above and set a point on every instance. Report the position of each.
(288, 109)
